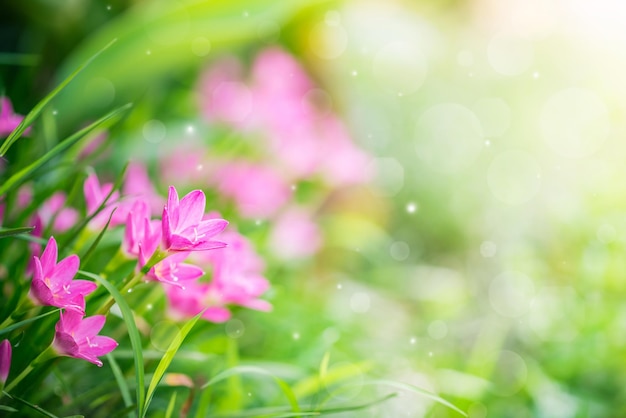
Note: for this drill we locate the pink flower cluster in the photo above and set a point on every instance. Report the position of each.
(8, 119)
(53, 285)
(293, 118)
(185, 231)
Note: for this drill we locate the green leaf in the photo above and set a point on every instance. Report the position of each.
(133, 333)
(170, 406)
(32, 115)
(21, 175)
(30, 405)
(167, 359)
(85, 257)
(121, 381)
(5, 232)
(26, 322)
(335, 375)
(238, 370)
(414, 389)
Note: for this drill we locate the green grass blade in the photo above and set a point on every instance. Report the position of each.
(26, 322)
(414, 389)
(30, 405)
(133, 333)
(167, 359)
(85, 257)
(238, 370)
(170, 406)
(313, 384)
(21, 175)
(121, 382)
(34, 113)
(4, 232)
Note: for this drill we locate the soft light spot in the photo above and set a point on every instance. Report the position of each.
(162, 334)
(320, 100)
(55, 112)
(514, 177)
(494, 115)
(399, 250)
(354, 73)
(438, 330)
(412, 340)
(339, 286)
(575, 122)
(331, 335)
(551, 311)
(412, 207)
(465, 58)
(606, 233)
(328, 41)
(488, 249)
(389, 178)
(509, 55)
(448, 137)
(400, 67)
(148, 52)
(200, 46)
(510, 374)
(234, 328)
(510, 294)
(295, 335)
(154, 131)
(360, 302)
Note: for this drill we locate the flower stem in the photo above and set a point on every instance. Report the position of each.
(44, 356)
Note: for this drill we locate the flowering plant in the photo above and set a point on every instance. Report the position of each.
(128, 279)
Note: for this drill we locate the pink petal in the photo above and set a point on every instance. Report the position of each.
(188, 272)
(172, 206)
(101, 345)
(82, 287)
(216, 314)
(89, 327)
(41, 293)
(70, 322)
(5, 360)
(166, 228)
(65, 270)
(65, 344)
(211, 227)
(208, 245)
(191, 209)
(49, 257)
(91, 189)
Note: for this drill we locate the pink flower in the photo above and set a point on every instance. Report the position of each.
(8, 119)
(187, 302)
(295, 235)
(95, 195)
(137, 185)
(183, 226)
(77, 337)
(258, 191)
(223, 95)
(5, 361)
(173, 271)
(53, 208)
(141, 235)
(52, 283)
(237, 280)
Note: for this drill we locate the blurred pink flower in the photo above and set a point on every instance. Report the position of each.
(294, 235)
(173, 271)
(52, 283)
(5, 361)
(185, 165)
(223, 95)
(141, 235)
(77, 337)
(195, 297)
(137, 185)
(236, 280)
(94, 142)
(53, 208)
(95, 195)
(344, 164)
(8, 120)
(183, 226)
(258, 191)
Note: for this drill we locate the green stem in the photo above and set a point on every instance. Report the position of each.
(44, 356)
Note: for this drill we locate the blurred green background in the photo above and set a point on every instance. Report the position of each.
(485, 263)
